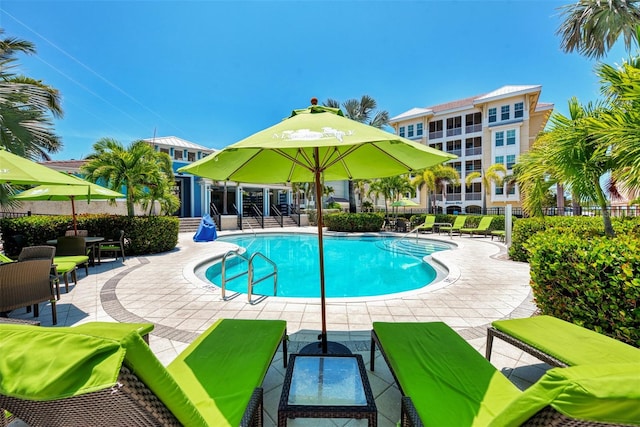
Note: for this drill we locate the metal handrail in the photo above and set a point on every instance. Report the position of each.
(223, 272)
(278, 215)
(273, 274)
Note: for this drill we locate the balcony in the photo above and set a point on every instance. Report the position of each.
(473, 196)
(454, 131)
(475, 151)
(435, 135)
(473, 128)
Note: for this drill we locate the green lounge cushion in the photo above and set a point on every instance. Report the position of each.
(28, 371)
(126, 338)
(64, 266)
(220, 370)
(449, 381)
(457, 224)
(4, 258)
(570, 343)
(601, 393)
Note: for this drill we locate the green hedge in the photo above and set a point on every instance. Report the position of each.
(354, 222)
(143, 235)
(524, 229)
(593, 282)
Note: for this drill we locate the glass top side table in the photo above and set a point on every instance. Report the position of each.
(326, 386)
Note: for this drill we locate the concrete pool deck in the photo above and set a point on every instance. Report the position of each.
(481, 286)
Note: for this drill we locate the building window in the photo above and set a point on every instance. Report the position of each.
(499, 139)
(457, 166)
(177, 155)
(401, 131)
(511, 188)
(164, 150)
(511, 160)
(473, 123)
(473, 146)
(454, 126)
(504, 112)
(472, 165)
(435, 129)
(191, 156)
(499, 190)
(437, 146)
(493, 115)
(518, 110)
(455, 147)
(410, 131)
(419, 129)
(511, 137)
(499, 159)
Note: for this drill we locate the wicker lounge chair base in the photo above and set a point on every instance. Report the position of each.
(215, 381)
(445, 381)
(560, 343)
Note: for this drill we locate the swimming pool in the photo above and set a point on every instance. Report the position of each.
(354, 266)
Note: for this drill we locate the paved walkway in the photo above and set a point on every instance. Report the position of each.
(480, 285)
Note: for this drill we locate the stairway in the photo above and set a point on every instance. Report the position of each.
(190, 225)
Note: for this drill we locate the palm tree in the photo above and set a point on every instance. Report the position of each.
(391, 188)
(535, 176)
(575, 155)
(592, 27)
(436, 179)
(146, 174)
(27, 107)
(363, 111)
(495, 174)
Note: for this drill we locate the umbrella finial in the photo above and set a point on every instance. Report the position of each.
(314, 101)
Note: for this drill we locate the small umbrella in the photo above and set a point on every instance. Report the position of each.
(404, 202)
(80, 190)
(315, 143)
(17, 170)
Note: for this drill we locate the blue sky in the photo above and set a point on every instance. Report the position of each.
(214, 72)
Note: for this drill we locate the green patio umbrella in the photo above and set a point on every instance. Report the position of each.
(313, 144)
(80, 190)
(16, 170)
(404, 202)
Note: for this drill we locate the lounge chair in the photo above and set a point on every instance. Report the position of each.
(482, 228)
(446, 382)
(500, 234)
(97, 375)
(428, 223)
(457, 224)
(560, 343)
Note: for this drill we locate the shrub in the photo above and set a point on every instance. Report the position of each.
(354, 222)
(143, 235)
(525, 229)
(593, 282)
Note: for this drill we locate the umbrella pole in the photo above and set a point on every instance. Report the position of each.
(323, 335)
(73, 215)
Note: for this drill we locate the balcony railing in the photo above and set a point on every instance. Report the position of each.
(454, 131)
(473, 151)
(473, 196)
(473, 128)
(435, 135)
(454, 197)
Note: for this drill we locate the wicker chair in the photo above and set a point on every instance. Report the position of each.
(116, 246)
(72, 248)
(26, 283)
(44, 252)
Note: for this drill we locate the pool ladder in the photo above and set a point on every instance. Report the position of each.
(251, 280)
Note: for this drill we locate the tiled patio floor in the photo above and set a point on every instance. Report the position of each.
(481, 286)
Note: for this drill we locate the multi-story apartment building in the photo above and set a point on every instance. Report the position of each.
(496, 127)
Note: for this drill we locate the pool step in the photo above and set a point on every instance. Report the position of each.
(413, 247)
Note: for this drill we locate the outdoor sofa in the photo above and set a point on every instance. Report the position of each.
(104, 374)
(446, 382)
(560, 343)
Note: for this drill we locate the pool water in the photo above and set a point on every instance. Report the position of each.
(354, 266)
